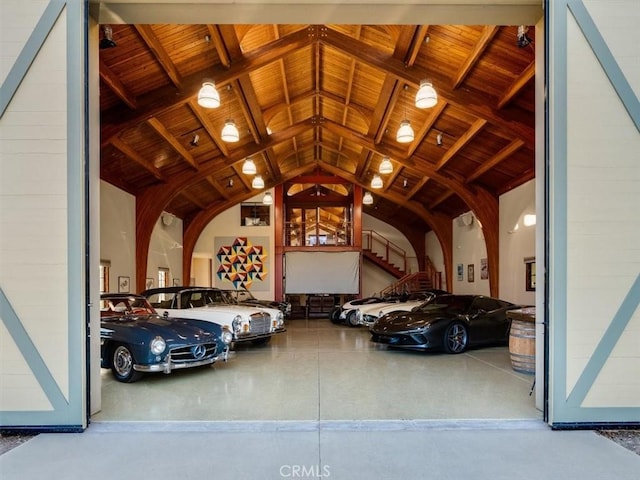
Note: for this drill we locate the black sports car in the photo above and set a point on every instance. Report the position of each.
(450, 323)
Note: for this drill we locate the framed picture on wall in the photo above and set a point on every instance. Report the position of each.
(470, 273)
(124, 285)
(460, 272)
(484, 269)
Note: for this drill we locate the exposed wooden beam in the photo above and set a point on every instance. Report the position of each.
(173, 141)
(488, 32)
(499, 157)
(116, 86)
(159, 52)
(518, 84)
(461, 142)
(130, 153)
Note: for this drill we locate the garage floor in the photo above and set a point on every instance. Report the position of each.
(321, 372)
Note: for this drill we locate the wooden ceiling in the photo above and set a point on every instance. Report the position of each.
(318, 100)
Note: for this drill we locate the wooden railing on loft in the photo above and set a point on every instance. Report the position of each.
(388, 251)
(428, 279)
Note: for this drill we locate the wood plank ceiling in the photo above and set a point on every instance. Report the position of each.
(318, 100)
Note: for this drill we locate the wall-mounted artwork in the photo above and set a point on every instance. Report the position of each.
(241, 262)
(460, 272)
(124, 285)
(470, 273)
(484, 269)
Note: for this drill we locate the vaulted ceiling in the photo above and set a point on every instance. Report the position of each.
(318, 100)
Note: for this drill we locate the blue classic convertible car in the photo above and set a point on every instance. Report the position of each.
(135, 340)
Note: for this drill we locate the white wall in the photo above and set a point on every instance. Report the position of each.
(468, 249)
(165, 250)
(118, 234)
(228, 224)
(433, 250)
(517, 242)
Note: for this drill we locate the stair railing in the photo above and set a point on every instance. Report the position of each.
(389, 251)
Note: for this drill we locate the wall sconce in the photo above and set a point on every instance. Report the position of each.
(267, 199)
(385, 166)
(376, 182)
(257, 182)
(427, 96)
(248, 167)
(529, 219)
(367, 198)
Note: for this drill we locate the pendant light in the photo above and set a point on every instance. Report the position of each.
(405, 132)
(248, 167)
(426, 96)
(385, 166)
(376, 182)
(267, 199)
(230, 132)
(208, 96)
(367, 198)
(257, 182)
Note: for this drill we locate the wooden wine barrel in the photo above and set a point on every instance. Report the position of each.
(522, 340)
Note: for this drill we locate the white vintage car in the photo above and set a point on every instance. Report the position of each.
(367, 314)
(255, 324)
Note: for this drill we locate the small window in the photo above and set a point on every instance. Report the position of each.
(255, 215)
(530, 274)
(163, 277)
(105, 266)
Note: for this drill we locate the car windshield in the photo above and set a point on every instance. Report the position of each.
(121, 306)
(452, 305)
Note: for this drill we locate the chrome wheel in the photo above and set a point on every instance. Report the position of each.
(352, 321)
(122, 365)
(456, 338)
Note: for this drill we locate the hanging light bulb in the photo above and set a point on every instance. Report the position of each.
(376, 181)
(230, 132)
(267, 199)
(405, 132)
(248, 167)
(208, 96)
(367, 198)
(257, 182)
(426, 96)
(385, 166)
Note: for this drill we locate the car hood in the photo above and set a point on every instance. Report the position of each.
(403, 321)
(170, 329)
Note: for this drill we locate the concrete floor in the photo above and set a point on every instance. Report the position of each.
(319, 372)
(323, 402)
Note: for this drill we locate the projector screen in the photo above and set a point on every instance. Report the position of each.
(322, 272)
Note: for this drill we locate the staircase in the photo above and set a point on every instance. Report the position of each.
(413, 282)
(384, 253)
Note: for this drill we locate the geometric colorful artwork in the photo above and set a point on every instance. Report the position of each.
(241, 263)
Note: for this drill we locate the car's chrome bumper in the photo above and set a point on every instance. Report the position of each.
(247, 337)
(168, 366)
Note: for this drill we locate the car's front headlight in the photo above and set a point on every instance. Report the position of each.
(226, 336)
(237, 324)
(278, 321)
(157, 345)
